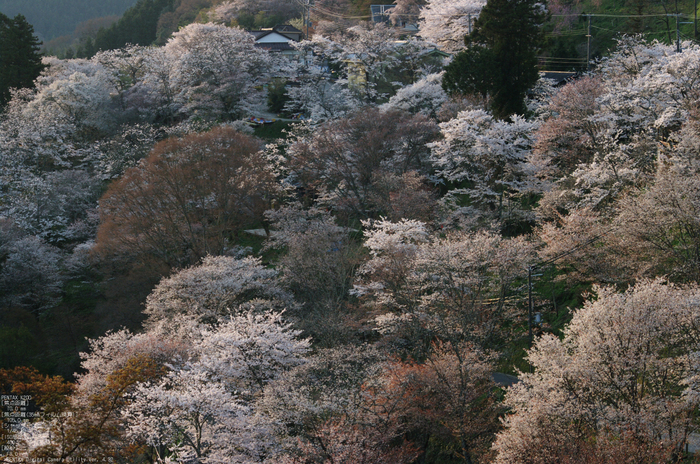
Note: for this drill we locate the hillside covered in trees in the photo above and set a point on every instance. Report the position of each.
(565, 46)
(420, 264)
(53, 18)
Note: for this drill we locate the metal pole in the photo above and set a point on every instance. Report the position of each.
(469, 22)
(529, 305)
(588, 49)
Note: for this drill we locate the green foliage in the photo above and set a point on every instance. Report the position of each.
(471, 72)
(512, 30)
(17, 346)
(265, 19)
(20, 61)
(277, 95)
(138, 26)
(442, 449)
(179, 14)
(245, 20)
(80, 295)
(272, 131)
(567, 42)
(501, 55)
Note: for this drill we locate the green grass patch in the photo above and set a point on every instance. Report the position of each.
(272, 131)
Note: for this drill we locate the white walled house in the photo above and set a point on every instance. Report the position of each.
(278, 39)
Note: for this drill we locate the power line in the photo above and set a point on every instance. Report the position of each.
(337, 15)
(554, 58)
(549, 261)
(570, 15)
(567, 33)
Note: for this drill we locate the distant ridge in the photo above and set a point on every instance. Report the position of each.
(54, 18)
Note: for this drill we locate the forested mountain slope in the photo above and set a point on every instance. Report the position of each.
(342, 285)
(53, 18)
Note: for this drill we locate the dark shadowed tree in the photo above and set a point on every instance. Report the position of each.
(189, 198)
(503, 48)
(20, 60)
(343, 159)
(138, 26)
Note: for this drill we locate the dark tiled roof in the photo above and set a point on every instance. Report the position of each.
(559, 77)
(260, 34)
(287, 28)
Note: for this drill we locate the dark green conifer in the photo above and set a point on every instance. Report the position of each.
(501, 55)
(20, 59)
(138, 26)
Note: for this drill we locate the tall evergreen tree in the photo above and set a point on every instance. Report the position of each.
(503, 47)
(138, 26)
(20, 60)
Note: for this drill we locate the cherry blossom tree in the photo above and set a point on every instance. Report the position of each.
(337, 408)
(369, 62)
(47, 152)
(393, 246)
(341, 159)
(32, 141)
(158, 397)
(42, 192)
(318, 266)
(446, 22)
(424, 96)
(605, 132)
(187, 418)
(626, 365)
(52, 206)
(248, 351)
(216, 70)
(114, 350)
(129, 66)
(489, 162)
(587, 249)
(125, 149)
(453, 288)
(77, 93)
(315, 91)
(660, 224)
(570, 136)
(30, 274)
(205, 408)
(213, 289)
(157, 91)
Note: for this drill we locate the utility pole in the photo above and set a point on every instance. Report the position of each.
(469, 22)
(588, 48)
(305, 16)
(529, 305)
(685, 22)
(678, 35)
